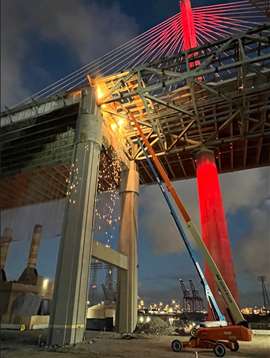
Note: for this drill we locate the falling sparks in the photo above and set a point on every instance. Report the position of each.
(106, 213)
(72, 182)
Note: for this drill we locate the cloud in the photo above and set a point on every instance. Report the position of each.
(250, 189)
(254, 251)
(84, 30)
(245, 189)
(13, 49)
(158, 225)
(247, 192)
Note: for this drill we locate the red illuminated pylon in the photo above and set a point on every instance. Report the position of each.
(213, 221)
(213, 224)
(189, 31)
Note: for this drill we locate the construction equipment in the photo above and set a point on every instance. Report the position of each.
(192, 301)
(265, 295)
(108, 288)
(214, 335)
(187, 297)
(197, 301)
(209, 295)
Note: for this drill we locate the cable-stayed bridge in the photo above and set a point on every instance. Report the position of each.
(200, 79)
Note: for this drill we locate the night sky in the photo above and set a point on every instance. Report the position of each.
(43, 41)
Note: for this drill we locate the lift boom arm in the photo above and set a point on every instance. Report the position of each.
(209, 295)
(232, 306)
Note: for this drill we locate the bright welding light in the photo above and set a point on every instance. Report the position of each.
(114, 126)
(141, 319)
(100, 93)
(45, 283)
(120, 122)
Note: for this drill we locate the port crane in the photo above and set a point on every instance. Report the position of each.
(187, 297)
(215, 335)
(196, 298)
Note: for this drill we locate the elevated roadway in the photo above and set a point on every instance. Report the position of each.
(217, 96)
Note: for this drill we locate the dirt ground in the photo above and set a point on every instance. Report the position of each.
(110, 345)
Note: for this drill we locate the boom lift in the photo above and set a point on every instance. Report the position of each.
(216, 335)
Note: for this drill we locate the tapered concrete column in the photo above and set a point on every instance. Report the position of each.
(4, 246)
(30, 274)
(68, 316)
(214, 224)
(128, 280)
(33, 254)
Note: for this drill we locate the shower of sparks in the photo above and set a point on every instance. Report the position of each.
(107, 201)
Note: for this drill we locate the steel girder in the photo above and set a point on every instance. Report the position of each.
(263, 5)
(216, 95)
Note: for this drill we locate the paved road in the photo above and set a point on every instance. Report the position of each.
(108, 345)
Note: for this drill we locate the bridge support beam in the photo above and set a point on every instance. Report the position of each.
(128, 280)
(68, 316)
(214, 225)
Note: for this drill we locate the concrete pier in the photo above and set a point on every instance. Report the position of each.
(126, 319)
(68, 316)
(214, 225)
(4, 246)
(30, 274)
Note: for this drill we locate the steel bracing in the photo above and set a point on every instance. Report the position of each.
(221, 102)
(263, 5)
(210, 23)
(216, 95)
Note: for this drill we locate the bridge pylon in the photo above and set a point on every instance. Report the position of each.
(126, 318)
(68, 316)
(213, 224)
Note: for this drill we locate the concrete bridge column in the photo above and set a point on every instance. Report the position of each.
(128, 280)
(214, 225)
(68, 316)
(5, 241)
(30, 274)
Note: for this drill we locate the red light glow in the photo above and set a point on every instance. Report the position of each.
(214, 226)
(189, 32)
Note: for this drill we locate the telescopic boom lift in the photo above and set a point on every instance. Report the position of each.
(209, 295)
(218, 336)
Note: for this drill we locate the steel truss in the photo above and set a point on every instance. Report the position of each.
(263, 5)
(216, 95)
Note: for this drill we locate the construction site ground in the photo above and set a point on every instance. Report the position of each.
(111, 345)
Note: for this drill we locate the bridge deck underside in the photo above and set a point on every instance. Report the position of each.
(216, 96)
(36, 158)
(236, 148)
